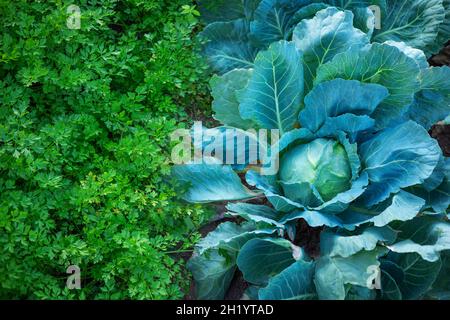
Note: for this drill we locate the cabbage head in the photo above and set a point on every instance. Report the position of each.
(322, 164)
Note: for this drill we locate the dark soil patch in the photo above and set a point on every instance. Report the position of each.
(308, 238)
(237, 287)
(442, 58)
(442, 134)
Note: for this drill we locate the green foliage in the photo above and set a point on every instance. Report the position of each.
(84, 120)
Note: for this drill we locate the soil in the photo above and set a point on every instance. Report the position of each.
(442, 58)
(237, 287)
(442, 134)
(308, 238)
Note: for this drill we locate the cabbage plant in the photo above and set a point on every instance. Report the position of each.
(355, 160)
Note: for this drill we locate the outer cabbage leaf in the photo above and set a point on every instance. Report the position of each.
(333, 273)
(441, 172)
(273, 20)
(255, 213)
(272, 98)
(226, 10)
(266, 183)
(364, 17)
(228, 46)
(316, 219)
(259, 259)
(425, 236)
(353, 125)
(364, 20)
(212, 273)
(248, 209)
(382, 64)
(401, 207)
(391, 274)
(337, 244)
(330, 32)
(436, 189)
(437, 199)
(229, 145)
(251, 293)
(350, 4)
(214, 261)
(304, 193)
(231, 237)
(415, 22)
(308, 12)
(397, 158)
(432, 103)
(337, 97)
(443, 33)
(444, 29)
(407, 276)
(211, 182)
(416, 54)
(293, 283)
(441, 287)
(359, 293)
(302, 135)
(225, 104)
